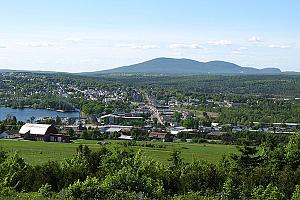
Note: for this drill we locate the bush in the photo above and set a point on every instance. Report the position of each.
(45, 190)
(268, 193)
(88, 189)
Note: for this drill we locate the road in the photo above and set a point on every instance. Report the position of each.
(153, 110)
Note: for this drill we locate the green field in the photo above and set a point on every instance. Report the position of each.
(41, 152)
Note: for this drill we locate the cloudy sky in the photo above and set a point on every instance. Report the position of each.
(89, 35)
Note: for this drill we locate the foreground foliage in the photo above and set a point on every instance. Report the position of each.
(118, 173)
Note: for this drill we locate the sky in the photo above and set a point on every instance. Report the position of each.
(92, 35)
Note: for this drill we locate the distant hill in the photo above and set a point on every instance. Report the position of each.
(30, 71)
(185, 66)
(173, 66)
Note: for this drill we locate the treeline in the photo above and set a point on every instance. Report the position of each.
(97, 108)
(281, 85)
(260, 110)
(37, 101)
(265, 111)
(10, 124)
(118, 173)
(254, 138)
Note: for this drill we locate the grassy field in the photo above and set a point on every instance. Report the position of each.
(198, 113)
(41, 152)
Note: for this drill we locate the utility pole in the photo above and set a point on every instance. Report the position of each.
(62, 194)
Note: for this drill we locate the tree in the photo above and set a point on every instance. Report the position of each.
(177, 116)
(293, 151)
(248, 157)
(45, 190)
(10, 120)
(32, 118)
(58, 120)
(176, 160)
(71, 132)
(296, 194)
(269, 193)
(202, 177)
(3, 155)
(13, 170)
(88, 189)
(139, 134)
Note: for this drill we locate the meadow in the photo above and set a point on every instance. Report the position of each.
(38, 152)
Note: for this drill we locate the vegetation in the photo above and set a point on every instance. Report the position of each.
(106, 173)
(272, 85)
(264, 166)
(261, 98)
(40, 152)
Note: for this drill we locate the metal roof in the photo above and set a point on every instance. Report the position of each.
(36, 129)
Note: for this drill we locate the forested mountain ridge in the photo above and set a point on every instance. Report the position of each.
(174, 66)
(186, 66)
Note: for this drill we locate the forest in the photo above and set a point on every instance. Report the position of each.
(273, 85)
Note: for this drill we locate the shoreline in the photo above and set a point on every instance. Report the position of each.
(29, 107)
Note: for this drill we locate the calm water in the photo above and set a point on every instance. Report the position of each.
(26, 113)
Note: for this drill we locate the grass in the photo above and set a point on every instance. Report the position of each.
(198, 113)
(40, 152)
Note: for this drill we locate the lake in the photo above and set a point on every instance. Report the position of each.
(24, 114)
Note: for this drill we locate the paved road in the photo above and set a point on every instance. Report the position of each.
(153, 110)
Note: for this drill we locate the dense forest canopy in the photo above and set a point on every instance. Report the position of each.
(273, 85)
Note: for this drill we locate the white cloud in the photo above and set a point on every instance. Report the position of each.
(255, 39)
(237, 52)
(135, 46)
(185, 46)
(73, 40)
(36, 44)
(240, 50)
(145, 47)
(220, 43)
(279, 46)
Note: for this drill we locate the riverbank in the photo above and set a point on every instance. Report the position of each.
(52, 109)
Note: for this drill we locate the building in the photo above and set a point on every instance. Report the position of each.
(109, 119)
(180, 129)
(165, 137)
(216, 133)
(9, 135)
(125, 137)
(42, 132)
(109, 129)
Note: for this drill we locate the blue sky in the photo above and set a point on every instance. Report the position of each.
(89, 35)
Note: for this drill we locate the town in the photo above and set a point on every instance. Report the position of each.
(123, 112)
(149, 100)
(77, 126)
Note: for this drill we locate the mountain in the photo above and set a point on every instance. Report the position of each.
(185, 66)
(173, 66)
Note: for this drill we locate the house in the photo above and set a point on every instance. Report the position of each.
(240, 128)
(165, 137)
(109, 99)
(9, 135)
(109, 129)
(216, 133)
(181, 129)
(133, 118)
(42, 132)
(125, 137)
(109, 119)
